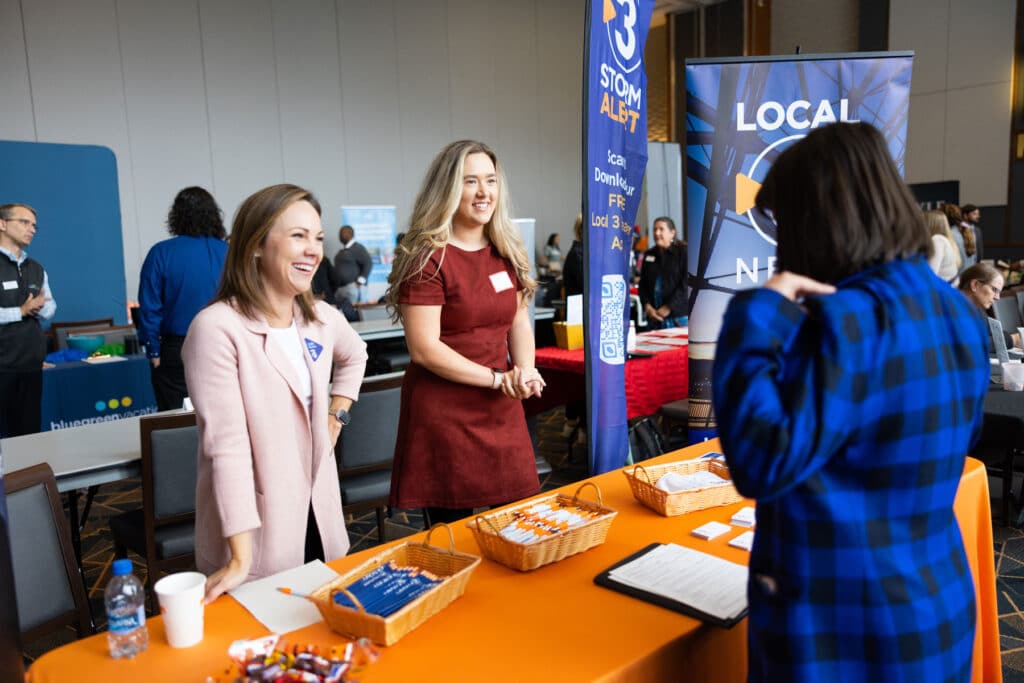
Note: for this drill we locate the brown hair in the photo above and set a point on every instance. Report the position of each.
(6, 210)
(241, 284)
(840, 204)
(982, 272)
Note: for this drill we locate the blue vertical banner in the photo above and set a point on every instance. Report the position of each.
(741, 113)
(615, 139)
(374, 228)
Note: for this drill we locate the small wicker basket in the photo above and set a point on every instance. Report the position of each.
(642, 481)
(526, 556)
(453, 566)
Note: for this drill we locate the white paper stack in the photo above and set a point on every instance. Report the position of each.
(710, 530)
(709, 584)
(744, 541)
(744, 517)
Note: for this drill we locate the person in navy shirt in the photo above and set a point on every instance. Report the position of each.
(179, 277)
(848, 390)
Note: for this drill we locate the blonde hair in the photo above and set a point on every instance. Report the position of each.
(938, 225)
(430, 225)
(241, 283)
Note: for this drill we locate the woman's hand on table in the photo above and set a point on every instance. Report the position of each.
(233, 574)
(652, 313)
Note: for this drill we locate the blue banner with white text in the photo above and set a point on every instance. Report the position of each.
(741, 113)
(615, 133)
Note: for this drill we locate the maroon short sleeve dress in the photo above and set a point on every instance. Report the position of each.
(461, 446)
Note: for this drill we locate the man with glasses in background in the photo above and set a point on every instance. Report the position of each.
(25, 300)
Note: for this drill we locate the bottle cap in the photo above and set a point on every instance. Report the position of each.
(122, 566)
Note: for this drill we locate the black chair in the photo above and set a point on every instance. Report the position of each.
(163, 530)
(675, 415)
(366, 447)
(48, 585)
(1007, 312)
(1001, 441)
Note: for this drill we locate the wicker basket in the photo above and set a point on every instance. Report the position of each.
(527, 556)
(642, 481)
(454, 567)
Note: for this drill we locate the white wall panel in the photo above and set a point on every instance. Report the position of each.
(926, 138)
(471, 57)
(309, 91)
(165, 101)
(978, 142)
(74, 63)
(369, 99)
(560, 29)
(813, 25)
(242, 97)
(517, 137)
(424, 100)
(16, 122)
(980, 42)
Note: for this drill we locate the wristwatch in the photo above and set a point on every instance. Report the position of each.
(342, 416)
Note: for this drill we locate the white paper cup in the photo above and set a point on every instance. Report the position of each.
(181, 604)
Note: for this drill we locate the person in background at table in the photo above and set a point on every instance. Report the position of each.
(461, 286)
(663, 278)
(971, 215)
(352, 265)
(179, 277)
(945, 258)
(258, 363)
(575, 412)
(982, 285)
(964, 238)
(848, 390)
(553, 256)
(25, 300)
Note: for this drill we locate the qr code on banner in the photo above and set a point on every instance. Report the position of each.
(613, 329)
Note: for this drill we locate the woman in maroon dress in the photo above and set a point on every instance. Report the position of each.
(460, 284)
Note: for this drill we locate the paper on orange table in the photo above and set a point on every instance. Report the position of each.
(283, 613)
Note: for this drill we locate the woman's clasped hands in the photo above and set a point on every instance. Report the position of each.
(519, 383)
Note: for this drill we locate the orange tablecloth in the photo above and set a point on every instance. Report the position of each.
(650, 382)
(549, 624)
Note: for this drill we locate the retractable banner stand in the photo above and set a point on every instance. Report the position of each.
(615, 141)
(740, 115)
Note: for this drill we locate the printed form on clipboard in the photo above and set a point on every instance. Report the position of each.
(684, 580)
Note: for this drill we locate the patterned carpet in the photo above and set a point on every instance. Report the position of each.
(97, 549)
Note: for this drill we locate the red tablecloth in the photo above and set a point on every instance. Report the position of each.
(650, 382)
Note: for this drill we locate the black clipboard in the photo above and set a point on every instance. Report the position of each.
(604, 579)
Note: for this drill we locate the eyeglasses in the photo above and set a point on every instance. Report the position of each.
(23, 221)
(995, 291)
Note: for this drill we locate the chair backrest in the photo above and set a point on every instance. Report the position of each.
(368, 442)
(61, 330)
(50, 594)
(111, 335)
(373, 313)
(169, 447)
(1020, 302)
(1007, 313)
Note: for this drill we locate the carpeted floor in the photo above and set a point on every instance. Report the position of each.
(97, 549)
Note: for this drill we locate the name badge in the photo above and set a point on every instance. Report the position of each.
(501, 281)
(13, 284)
(650, 258)
(314, 349)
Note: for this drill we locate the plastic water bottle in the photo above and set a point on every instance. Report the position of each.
(125, 599)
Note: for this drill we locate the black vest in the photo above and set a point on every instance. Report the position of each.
(22, 343)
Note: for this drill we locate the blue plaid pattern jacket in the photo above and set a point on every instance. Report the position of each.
(848, 421)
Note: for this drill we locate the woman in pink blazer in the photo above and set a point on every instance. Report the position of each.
(258, 361)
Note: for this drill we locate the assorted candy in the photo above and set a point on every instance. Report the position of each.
(268, 660)
(544, 520)
(388, 588)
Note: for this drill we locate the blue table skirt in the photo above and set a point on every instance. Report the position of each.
(81, 393)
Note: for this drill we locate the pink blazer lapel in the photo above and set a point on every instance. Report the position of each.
(278, 359)
(317, 359)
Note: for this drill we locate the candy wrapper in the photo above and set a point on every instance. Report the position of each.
(269, 660)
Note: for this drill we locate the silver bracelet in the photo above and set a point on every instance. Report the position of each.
(498, 377)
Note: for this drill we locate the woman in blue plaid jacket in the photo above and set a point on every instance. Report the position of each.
(848, 390)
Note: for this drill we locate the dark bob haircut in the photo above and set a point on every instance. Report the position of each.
(195, 214)
(840, 204)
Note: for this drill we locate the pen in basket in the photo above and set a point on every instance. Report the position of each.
(296, 594)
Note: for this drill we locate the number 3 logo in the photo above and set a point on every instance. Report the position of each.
(622, 36)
